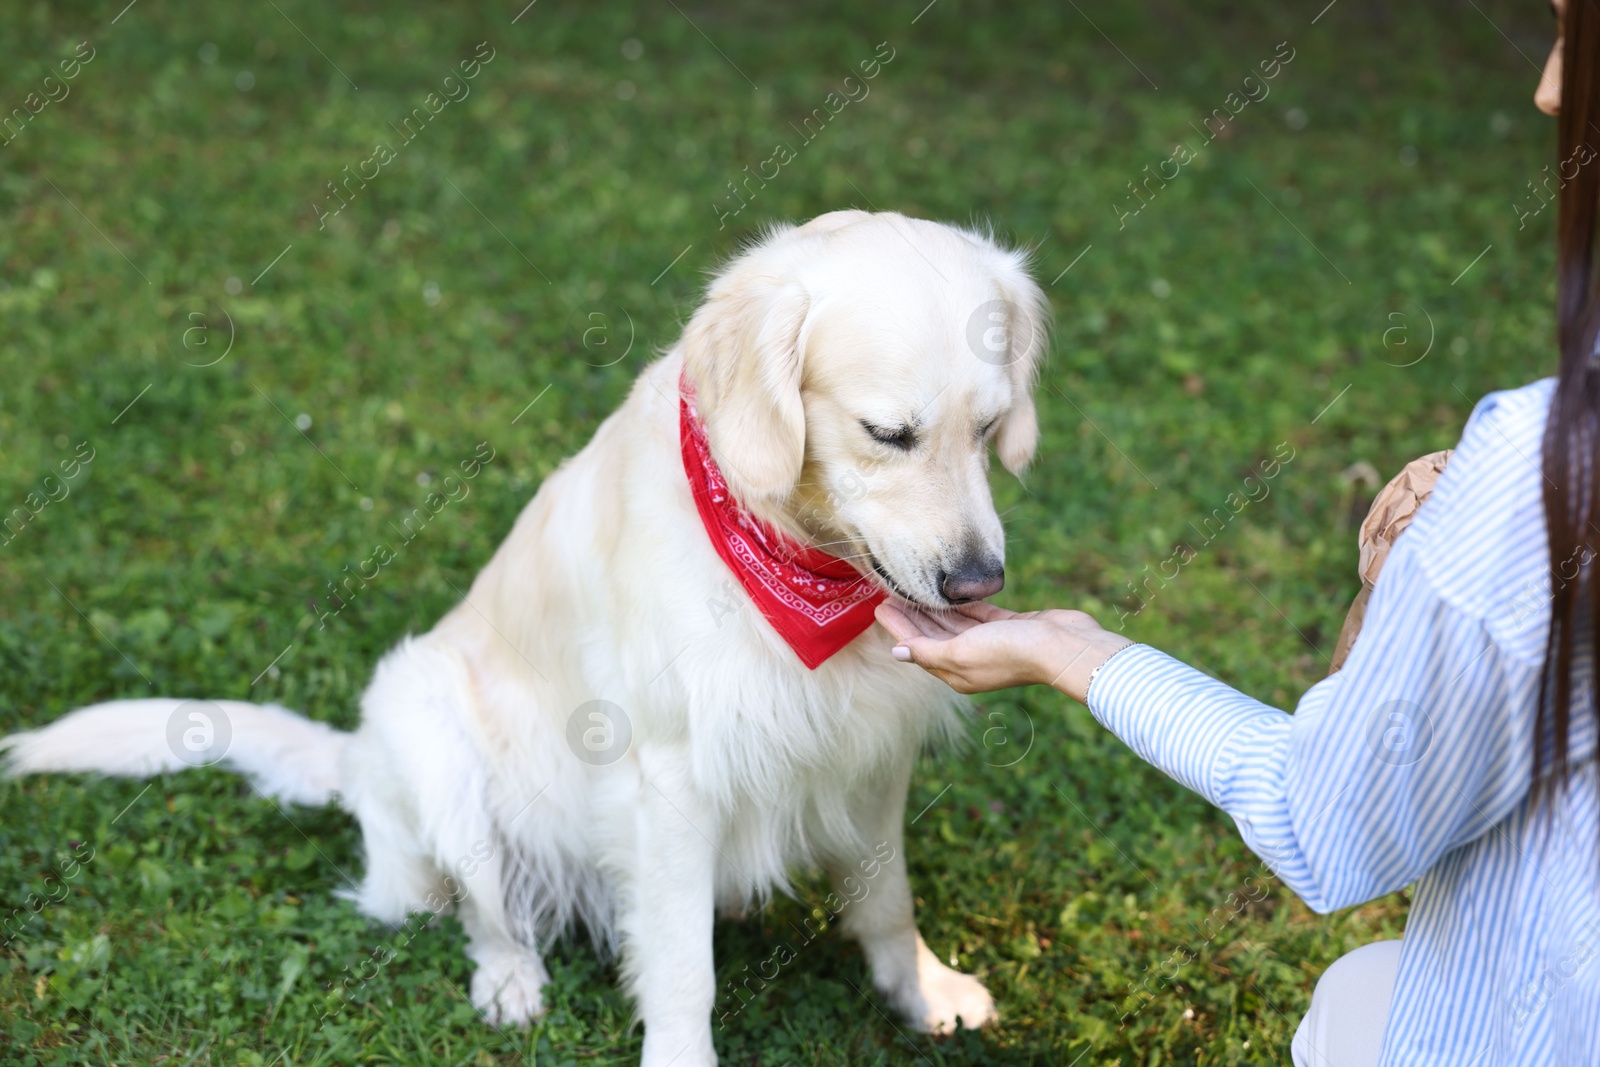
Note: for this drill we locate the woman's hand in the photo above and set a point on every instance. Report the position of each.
(975, 648)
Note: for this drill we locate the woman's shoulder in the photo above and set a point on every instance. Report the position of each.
(1481, 538)
(1524, 409)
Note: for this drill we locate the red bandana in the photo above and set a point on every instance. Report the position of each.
(817, 602)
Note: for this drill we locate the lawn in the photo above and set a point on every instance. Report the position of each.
(228, 369)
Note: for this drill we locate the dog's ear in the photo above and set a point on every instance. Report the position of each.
(1027, 313)
(742, 351)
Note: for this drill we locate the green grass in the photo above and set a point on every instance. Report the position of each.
(546, 208)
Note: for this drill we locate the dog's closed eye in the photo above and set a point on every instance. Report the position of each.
(902, 437)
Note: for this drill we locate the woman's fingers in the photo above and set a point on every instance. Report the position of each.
(897, 621)
(919, 638)
(984, 611)
(967, 647)
(932, 623)
(953, 622)
(911, 620)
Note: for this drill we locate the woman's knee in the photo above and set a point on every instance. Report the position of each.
(1349, 1010)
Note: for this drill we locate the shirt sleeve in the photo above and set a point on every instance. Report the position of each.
(1418, 745)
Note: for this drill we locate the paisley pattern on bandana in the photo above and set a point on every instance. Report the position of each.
(818, 603)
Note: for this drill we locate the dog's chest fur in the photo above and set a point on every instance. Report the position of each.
(632, 605)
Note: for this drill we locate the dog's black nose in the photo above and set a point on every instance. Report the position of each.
(974, 578)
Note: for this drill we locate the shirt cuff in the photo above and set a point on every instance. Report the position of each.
(1173, 716)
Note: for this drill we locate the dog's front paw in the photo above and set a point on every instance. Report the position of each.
(951, 994)
(678, 1050)
(947, 995)
(506, 986)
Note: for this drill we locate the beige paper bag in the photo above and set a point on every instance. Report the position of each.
(1392, 511)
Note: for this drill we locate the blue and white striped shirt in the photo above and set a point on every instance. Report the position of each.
(1413, 764)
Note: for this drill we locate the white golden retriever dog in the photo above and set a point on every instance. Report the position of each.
(607, 730)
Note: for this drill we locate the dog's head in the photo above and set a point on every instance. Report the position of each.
(852, 374)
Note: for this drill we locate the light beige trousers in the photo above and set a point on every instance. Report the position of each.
(1349, 1010)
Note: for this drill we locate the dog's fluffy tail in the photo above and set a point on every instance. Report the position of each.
(285, 755)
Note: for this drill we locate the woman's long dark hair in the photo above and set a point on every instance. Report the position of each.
(1572, 435)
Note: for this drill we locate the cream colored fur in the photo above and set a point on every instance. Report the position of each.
(743, 764)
